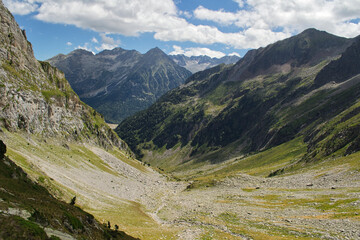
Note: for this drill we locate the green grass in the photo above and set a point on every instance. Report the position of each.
(259, 164)
(14, 227)
(74, 221)
(10, 69)
(261, 230)
(54, 93)
(132, 218)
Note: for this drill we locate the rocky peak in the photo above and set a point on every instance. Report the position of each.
(339, 70)
(18, 50)
(305, 49)
(36, 98)
(81, 52)
(155, 53)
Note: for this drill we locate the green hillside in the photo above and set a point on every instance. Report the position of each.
(271, 96)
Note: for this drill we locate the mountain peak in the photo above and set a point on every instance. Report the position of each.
(81, 51)
(112, 51)
(155, 51)
(307, 48)
(311, 30)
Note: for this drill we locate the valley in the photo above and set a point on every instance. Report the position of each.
(267, 148)
(209, 202)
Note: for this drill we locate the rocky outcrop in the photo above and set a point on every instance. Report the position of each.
(36, 98)
(341, 69)
(2, 149)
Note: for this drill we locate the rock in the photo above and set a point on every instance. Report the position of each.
(36, 98)
(2, 149)
(309, 185)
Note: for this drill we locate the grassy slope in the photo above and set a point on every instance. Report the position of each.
(40, 209)
(29, 153)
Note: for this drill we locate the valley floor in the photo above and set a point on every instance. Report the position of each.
(320, 203)
(314, 205)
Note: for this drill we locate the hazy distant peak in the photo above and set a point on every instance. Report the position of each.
(81, 51)
(200, 63)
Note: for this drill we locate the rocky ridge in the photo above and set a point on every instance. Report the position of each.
(36, 98)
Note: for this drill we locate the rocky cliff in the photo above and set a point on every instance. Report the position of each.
(36, 98)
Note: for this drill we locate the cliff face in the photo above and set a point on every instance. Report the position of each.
(36, 98)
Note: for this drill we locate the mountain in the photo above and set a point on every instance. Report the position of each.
(199, 63)
(306, 86)
(119, 82)
(36, 98)
(47, 132)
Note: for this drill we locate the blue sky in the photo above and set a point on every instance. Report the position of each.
(192, 27)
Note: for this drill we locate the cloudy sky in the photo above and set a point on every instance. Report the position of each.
(192, 27)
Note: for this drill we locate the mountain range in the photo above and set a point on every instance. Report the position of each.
(199, 63)
(304, 87)
(118, 82)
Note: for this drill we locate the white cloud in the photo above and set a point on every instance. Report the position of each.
(94, 40)
(293, 15)
(240, 2)
(69, 43)
(133, 17)
(258, 22)
(127, 17)
(234, 54)
(107, 42)
(21, 7)
(196, 52)
(177, 50)
(86, 47)
(186, 14)
(250, 38)
(219, 16)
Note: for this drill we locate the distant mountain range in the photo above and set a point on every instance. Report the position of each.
(307, 86)
(118, 82)
(199, 63)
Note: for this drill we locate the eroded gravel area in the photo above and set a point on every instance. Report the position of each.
(312, 205)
